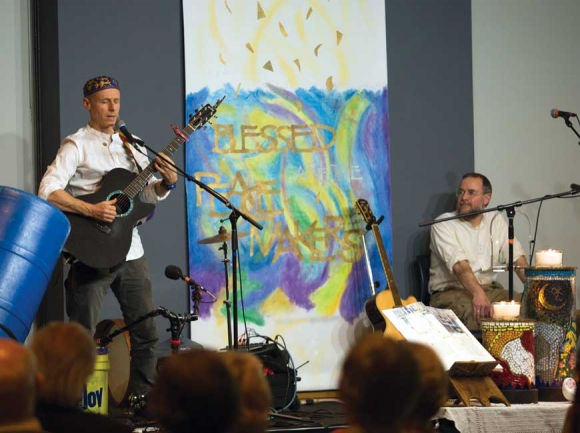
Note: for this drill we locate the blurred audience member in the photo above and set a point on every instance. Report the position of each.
(195, 392)
(572, 420)
(255, 394)
(66, 358)
(18, 379)
(433, 388)
(379, 385)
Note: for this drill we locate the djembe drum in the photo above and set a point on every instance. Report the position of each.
(549, 298)
(511, 343)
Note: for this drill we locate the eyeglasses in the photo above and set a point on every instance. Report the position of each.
(469, 193)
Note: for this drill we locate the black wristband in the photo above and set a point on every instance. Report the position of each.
(168, 187)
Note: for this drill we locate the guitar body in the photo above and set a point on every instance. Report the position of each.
(389, 298)
(103, 245)
(374, 307)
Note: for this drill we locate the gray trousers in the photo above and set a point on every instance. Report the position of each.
(86, 288)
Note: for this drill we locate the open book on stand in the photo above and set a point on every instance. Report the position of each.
(441, 330)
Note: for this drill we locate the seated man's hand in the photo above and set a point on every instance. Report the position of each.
(482, 308)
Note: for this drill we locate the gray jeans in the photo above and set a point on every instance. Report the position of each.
(86, 288)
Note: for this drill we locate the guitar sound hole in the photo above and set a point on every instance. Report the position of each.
(123, 204)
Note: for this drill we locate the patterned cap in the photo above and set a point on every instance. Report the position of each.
(99, 83)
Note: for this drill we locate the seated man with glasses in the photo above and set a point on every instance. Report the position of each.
(462, 276)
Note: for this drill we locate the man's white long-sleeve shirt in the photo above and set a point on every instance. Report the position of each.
(80, 164)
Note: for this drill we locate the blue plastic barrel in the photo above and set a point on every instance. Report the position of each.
(32, 235)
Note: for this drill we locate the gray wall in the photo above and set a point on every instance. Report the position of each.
(140, 43)
(431, 119)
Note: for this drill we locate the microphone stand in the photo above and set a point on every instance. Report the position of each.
(510, 211)
(569, 125)
(227, 302)
(235, 214)
(175, 323)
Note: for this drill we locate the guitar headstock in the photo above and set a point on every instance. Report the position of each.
(365, 210)
(202, 116)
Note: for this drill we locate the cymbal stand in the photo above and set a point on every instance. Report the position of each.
(227, 302)
(234, 222)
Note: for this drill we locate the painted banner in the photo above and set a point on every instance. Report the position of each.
(301, 135)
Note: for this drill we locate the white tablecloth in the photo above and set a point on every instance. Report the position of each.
(544, 417)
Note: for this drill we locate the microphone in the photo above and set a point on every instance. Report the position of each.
(575, 187)
(122, 128)
(555, 113)
(174, 273)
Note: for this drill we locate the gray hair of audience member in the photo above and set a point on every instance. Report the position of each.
(379, 384)
(66, 358)
(195, 391)
(255, 394)
(17, 382)
(434, 384)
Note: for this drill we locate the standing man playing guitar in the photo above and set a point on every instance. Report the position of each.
(461, 275)
(80, 168)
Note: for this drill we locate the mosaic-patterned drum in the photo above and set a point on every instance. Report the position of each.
(511, 342)
(549, 298)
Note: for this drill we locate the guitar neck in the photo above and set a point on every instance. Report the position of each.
(392, 285)
(141, 181)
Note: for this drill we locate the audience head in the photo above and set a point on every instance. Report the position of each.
(66, 358)
(255, 394)
(17, 382)
(433, 387)
(379, 384)
(195, 391)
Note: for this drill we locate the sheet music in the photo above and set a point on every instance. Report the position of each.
(441, 330)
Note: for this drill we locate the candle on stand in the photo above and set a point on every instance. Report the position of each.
(549, 258)
(506, 310)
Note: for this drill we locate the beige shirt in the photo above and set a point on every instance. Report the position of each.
(456, 240)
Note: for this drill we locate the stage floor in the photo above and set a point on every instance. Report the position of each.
(317, 417)
(322, 416)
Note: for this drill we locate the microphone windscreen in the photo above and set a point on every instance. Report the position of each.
(554, 113)
(119, 124)
(173, 272)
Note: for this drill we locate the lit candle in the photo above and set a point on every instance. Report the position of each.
(506, 310)
(549, 258)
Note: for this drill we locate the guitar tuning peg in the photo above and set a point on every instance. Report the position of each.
(196, 110)
(190, 116)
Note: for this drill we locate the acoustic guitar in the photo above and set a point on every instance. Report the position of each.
(388, 298)
(100, 244)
